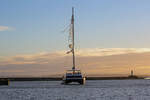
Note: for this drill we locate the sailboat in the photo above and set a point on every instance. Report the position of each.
(73, 75)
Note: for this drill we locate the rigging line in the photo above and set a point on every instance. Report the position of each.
(67, 26)
(66, 61)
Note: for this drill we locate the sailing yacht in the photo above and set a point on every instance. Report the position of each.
(73, 75)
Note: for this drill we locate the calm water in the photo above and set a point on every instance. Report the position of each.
(92, 90)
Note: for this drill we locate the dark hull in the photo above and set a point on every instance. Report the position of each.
(4, 82)
(77, 80)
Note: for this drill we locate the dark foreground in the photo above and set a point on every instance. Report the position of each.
(60, 78)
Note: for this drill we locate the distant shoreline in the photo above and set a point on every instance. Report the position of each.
(59, 78)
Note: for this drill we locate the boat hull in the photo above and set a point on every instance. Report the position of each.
(77, 80)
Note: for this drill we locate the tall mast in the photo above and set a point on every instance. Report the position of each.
(72, 24)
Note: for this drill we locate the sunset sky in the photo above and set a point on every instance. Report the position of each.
(112, 37)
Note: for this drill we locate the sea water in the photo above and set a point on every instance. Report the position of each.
(92, 90)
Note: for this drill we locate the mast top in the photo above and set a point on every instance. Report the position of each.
(72, 10)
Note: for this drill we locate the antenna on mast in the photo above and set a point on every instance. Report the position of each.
(72, 10)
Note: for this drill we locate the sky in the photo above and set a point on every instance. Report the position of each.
(36, 27)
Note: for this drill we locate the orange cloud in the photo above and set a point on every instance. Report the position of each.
(111, 61)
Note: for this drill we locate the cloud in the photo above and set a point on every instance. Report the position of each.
(38, 58)
(106, 61)
(45, 57)
(110, 51)
(5, 28)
